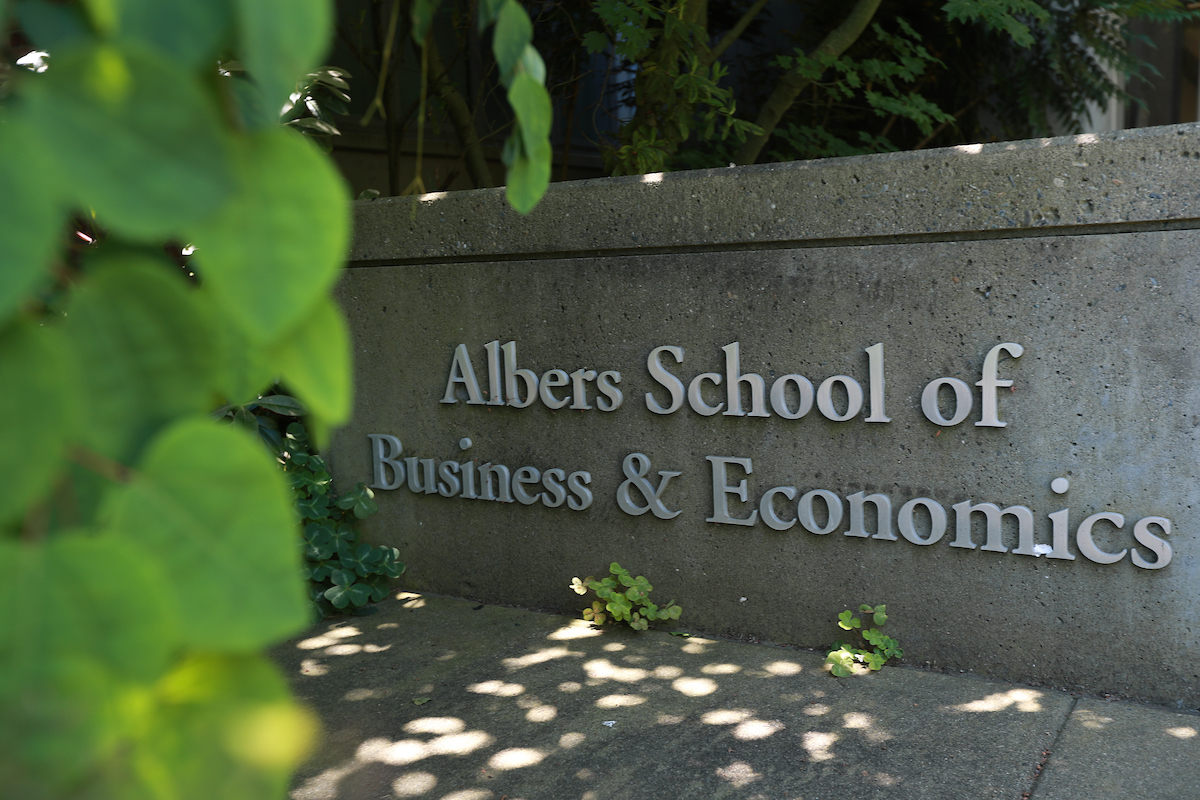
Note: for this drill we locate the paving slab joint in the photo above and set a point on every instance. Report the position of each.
(1040, 768)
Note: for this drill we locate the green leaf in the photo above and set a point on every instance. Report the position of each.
(531, 103)
(228, 551)
(528, 178)
(619, 606)
(595, 42)
(841, 662)
(282, 404)
(998, 15)
(313, 506)
(38, 412)
(532, 64)
(289, 217)
(315, 361)
(220, 725)
(513, 32)
(281, 42)
(360, 558)
(247, 369)
(138, 136)
(354, 594)
(76, 591)
(142, 342)
(360, 500)
(188, 33)
(31, 212)
(58, 724)
(51, 26)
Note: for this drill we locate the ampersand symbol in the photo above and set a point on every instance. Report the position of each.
(636, 466)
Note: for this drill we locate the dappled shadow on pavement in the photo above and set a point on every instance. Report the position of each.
(440, 699)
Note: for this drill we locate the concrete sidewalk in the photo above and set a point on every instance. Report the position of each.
(443, 699)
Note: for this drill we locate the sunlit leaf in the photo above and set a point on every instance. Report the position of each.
(138, 135)
(314, 361)
(289, 217)
(531, 103)
(528, 177)
(281, 41)
(221, 726)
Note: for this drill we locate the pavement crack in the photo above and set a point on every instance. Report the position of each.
(1044, 757)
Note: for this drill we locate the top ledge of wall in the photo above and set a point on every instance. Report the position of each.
(1119, 180)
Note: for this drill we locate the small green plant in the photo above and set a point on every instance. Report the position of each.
(344, 573)
(623, 598)
(842, 657)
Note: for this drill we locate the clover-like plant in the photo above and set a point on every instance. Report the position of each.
(843, 657)
(344, 573)
(623, 598)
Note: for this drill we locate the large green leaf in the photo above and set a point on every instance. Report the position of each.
(189, 32)
(222, 726)
(531, 103)
(38, 412)
(528, 177)
(278, 244)
(208, 503)
(143, 344)
(314, 359)
(138, 135)
(513, 32)
(56, 726)
(247, 369)
(95, 616)
(50, 26)
(90, 594)
(281, 41)
(31, 216)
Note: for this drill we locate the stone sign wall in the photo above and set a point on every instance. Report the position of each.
(960, 382)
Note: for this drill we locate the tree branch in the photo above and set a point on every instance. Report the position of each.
(733, 33)
(792, 83)
(460, 117)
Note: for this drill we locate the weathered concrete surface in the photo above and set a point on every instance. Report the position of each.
(1123, 750)
(1104, 395)
(1123, 177)
(514, 704)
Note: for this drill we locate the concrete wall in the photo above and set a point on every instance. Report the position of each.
(1078, 253)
